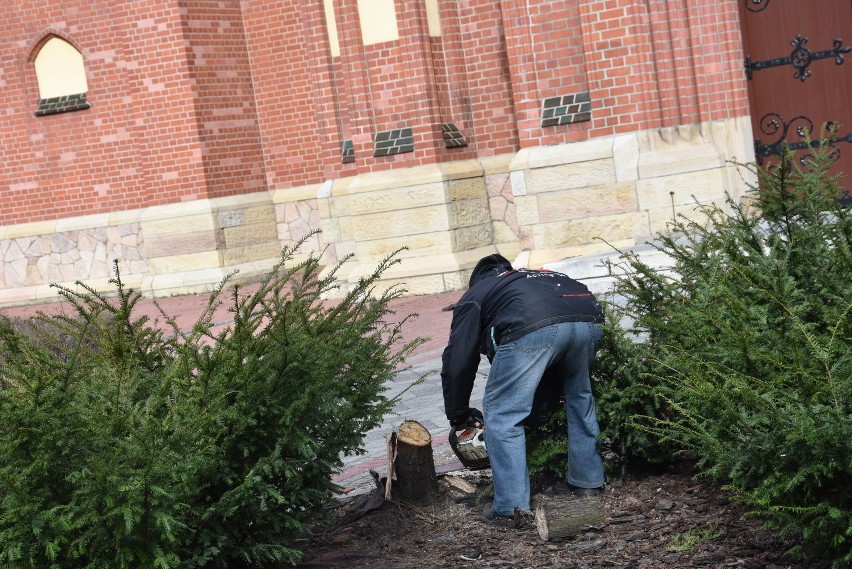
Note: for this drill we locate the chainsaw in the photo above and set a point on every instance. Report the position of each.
(469, 446)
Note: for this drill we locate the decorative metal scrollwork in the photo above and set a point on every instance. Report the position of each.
(800, 58)
(756, 5)
(773, 123)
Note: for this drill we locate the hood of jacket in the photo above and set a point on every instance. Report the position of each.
(489, 266)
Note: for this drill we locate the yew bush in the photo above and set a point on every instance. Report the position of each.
(744, 358)
(123, 445)
(747, 357)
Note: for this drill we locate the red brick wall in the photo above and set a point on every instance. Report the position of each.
(451, 81)
(719, 69)
(390, 85)
(654, 64)
(67, 164)
(138, 145)
(293, 90)
(348, 74)
(545, 50)
(396, 90)
(219, 68)
(198, 99)
(489, 87)
(156, 92)
(620, 60)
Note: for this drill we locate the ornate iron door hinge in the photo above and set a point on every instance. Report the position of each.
(800, 58)
(773, 123)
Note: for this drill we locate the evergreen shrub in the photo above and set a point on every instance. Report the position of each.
(122, 446)
(745, 359)
(749, 350)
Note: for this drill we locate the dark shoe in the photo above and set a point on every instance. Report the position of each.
(585, 492)
(520, 520)
(563, 488)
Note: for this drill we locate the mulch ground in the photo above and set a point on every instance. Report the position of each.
(660, 521)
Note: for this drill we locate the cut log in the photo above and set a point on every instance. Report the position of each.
(391, 461)
(414, 464)
(563, 515)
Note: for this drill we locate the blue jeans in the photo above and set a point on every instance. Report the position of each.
(560, 355)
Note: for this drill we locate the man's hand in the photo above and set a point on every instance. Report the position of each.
(470, 418)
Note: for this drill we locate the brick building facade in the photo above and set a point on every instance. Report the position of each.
(213, 133)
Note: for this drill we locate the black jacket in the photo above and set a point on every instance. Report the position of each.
(501, 305)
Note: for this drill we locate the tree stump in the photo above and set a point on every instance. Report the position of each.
(563, 515)
(414, 465)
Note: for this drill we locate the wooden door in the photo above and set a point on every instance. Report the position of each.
(798, 76)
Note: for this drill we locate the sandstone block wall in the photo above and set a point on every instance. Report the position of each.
(537, 206)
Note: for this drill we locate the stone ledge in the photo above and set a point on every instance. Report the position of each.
(417, 175)
(560, 154)
(63, 104)
(42, 293)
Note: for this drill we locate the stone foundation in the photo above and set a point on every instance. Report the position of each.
(538, 206)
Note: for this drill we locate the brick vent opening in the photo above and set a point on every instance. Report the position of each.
(566, 109)
(347, 152)
(453, 137)
(390, 142)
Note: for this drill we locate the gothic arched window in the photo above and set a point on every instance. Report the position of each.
(61, 78)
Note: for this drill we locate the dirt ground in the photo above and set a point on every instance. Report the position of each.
(661, 521)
